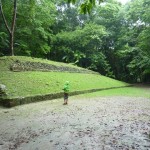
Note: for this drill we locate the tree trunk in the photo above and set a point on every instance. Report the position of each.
(11, 44)
(13, 28)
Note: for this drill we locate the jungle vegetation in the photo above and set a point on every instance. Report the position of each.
(105, 36)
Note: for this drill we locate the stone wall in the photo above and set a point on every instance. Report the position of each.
(3, 93)
(37, 66)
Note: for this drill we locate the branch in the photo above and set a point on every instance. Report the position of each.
(14, 16)
(4, 19)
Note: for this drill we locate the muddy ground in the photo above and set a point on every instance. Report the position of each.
(105, 123)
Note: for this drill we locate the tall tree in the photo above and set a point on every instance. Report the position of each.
(33, 32)
(10, 29)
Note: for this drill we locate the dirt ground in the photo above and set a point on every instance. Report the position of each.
(105, 123)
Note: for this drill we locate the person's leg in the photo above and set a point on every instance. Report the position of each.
(66, 101)
(65, 98)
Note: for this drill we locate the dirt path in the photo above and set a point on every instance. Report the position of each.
(109, 123)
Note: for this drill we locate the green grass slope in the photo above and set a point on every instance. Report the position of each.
(30, 83)
(128, 91)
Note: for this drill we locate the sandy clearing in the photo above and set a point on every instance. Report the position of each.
(108, 123)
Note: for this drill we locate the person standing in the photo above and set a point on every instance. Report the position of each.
(66, 92)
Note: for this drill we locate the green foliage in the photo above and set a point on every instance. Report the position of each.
(139, 67)
(3, 40)
(144, 40)
(112, 39)
(35, 36)
(133, 63)
(100, 64)
(86, 5)
(135, 33)
(82, 46)
(139, 11)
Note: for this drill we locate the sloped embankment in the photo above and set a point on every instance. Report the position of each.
(36, 80)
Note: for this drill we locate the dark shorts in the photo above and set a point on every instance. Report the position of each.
(65, 95)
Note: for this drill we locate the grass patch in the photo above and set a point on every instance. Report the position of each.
(21, 84)
(127, 91)
(30, 83)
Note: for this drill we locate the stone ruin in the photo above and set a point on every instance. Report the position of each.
(2, 90)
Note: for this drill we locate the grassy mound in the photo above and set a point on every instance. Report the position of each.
(35, 82)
